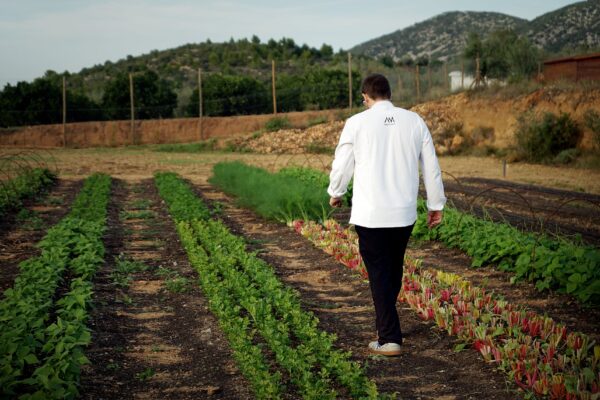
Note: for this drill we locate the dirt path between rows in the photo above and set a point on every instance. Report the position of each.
(153, 335)
(427, 369)
(20, 232)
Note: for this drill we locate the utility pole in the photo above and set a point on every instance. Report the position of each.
(132, 131)
(273, 86)
(418, 82)
(199, 104)
(64, 111)
(350, 81)
(446, 80)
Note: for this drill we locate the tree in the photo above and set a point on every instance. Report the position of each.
(289, 90)
(503, 55)
(230, 95)
(40, 102)
(326, 51)
(153, 97)
(387, 60)
(328, 88)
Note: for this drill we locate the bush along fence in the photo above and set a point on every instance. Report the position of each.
(42, 340)
(264, 313)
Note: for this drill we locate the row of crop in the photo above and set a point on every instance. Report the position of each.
(23, 186)
(549, 263)
(42, 340)
(275, 196)
(538, 354)
(253, 306)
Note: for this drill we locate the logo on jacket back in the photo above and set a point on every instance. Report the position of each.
(389, 121)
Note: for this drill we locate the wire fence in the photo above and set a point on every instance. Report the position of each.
(410, 85)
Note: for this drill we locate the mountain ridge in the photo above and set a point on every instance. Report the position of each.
(569, 28)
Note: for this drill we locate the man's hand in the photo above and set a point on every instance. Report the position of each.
(434, 218)
(335, 202)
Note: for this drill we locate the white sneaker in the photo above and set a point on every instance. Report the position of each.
(388, 349)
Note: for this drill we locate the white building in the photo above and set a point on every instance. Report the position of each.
(457, 82)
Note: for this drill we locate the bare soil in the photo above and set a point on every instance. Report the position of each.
(18, 237)
(151, 342)
(534, 208)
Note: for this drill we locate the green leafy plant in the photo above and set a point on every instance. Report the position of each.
(42, 340)
(274, 196)
(177, 284)
(145, 374)
(549, 263)
(542, 138)
(26, 185)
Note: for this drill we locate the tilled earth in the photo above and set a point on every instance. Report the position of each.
(534, 208)
(153, 338)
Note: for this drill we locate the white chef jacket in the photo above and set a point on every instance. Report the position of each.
(383, 147)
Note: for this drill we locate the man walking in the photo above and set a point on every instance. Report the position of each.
(383, 147)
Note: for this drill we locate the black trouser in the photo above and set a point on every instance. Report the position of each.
(382, 250)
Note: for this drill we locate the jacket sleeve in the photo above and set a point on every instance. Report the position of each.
(430, 168)
(342, 168)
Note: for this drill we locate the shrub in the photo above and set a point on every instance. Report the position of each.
(566, 156)
(318, 120)
(277, 123)
(540, 139)
(591, 119)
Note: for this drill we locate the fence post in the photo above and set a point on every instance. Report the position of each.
(273, 86)
(462, 74)
(446, 80)
(199, 104)
(429, 77)
(132, 131)
(477, 71)
(64, 111)
(399, 87)
(417, 82)
(350, 81)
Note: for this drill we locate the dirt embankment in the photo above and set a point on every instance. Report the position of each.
(465, 119)
(175, 130)
(485, 119)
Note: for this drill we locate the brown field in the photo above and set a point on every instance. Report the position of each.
(133, 163)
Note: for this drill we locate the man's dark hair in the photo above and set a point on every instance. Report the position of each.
(376, 86)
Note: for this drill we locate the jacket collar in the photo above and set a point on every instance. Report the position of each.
(382, 104)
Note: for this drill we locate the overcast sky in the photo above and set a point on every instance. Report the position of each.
(37, 35)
